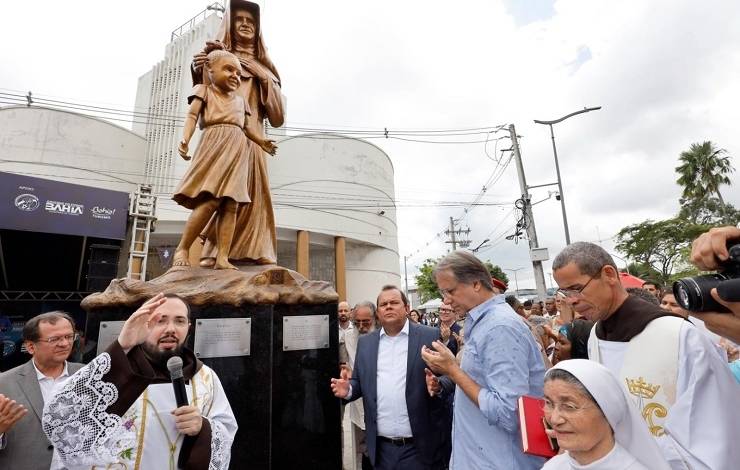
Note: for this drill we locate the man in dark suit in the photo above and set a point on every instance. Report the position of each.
(404, 425)
(24, 390)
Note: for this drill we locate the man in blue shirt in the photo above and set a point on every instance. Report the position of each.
(500, 363)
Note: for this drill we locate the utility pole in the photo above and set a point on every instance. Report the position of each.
(452, 233)
(406, 275)
(539, 273)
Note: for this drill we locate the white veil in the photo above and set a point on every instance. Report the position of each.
(630, 429)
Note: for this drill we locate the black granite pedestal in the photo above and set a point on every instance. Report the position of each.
(287, 415)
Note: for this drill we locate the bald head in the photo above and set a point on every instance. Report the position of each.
(343, 311)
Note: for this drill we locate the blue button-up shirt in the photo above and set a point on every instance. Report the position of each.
(502, 357)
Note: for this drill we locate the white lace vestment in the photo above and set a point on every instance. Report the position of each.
(86, 436)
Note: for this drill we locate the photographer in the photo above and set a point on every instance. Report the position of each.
(708, 252)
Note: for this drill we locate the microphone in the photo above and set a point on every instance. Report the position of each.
(174, 365)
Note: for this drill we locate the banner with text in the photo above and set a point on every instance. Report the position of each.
(40, 205)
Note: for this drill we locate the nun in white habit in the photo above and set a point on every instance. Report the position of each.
(594, 422)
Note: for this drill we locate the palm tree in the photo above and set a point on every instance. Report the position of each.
(704, 168)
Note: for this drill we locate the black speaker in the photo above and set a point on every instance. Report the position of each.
(102, 266)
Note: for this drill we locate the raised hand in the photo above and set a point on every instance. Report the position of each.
(137, 327)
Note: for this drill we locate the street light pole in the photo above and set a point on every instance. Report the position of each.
(516, 281)
(557, 164)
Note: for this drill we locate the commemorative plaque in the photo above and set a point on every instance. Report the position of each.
(222, 337)
(305, 332)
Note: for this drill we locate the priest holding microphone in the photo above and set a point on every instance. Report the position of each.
(122, 409)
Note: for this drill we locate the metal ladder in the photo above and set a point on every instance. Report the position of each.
(142, 208)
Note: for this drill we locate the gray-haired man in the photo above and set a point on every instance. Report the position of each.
(24, 390)
(673, 373)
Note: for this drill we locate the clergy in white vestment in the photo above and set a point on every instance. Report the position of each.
(120, 411)
(594, 422)
(674, 376)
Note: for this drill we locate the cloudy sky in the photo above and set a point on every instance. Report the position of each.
(663, 72)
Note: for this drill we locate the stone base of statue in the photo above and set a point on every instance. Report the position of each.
(270, 335)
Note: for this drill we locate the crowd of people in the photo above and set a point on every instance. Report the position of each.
(628, 380)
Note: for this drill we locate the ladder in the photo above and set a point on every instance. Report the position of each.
(142, 207)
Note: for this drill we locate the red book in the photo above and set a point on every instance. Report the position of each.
(532, 428)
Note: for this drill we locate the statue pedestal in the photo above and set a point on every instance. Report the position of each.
(280, 394)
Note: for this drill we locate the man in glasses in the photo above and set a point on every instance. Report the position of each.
(501, 362)
(48, 338)
(675, 378)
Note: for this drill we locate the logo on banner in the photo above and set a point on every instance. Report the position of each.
(67, 208)
(102, 212)
(27, 202)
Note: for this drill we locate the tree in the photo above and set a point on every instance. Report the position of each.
(708, 211)
(703, 169)
(497, 272)
(644, 271)
(427, 288)
(425, 284)
(664, 245)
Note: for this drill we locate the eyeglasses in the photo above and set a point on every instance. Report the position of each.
(180, 322)
(448, 292)
(363, 322)
(571, 293)
(565, 409)
(54, 340)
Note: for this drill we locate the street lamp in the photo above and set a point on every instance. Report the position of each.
(516, 282)
(557, 166)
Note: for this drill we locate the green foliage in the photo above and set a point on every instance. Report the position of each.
(661, 249)
(425, 282)
(662, 245)
(427, 288)
(703, 169)
(645, 271)
(497, 272)
(708, 211)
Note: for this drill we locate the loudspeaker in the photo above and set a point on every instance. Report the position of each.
(102, 266)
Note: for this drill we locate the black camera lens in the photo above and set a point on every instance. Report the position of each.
(694, 293)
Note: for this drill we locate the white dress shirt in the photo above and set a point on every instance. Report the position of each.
(393, 415)
(343, 331)
(47, 384)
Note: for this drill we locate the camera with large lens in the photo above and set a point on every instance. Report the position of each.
(693, 293)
